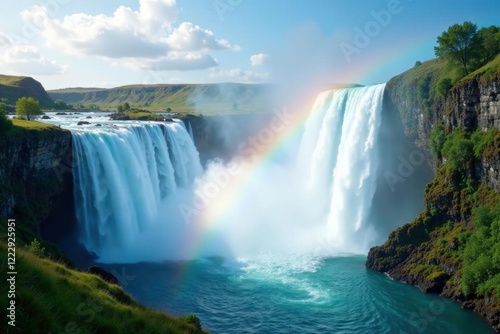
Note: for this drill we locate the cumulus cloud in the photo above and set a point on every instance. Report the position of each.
(239, 75)
(190, 37)
(181, 61)
(4, 39)
(143, 36)
(259, 59)
(26, 60)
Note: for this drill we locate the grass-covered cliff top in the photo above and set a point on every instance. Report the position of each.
(14, 87)
(19, 128)
(51, 298)
(488, 72)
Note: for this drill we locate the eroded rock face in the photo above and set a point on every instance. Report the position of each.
(32, 168)
(105, 275)
(475, 105)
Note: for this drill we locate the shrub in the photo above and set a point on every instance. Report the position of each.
(5, 123)
(437, 139)
(443, 86)
(192, 319)
(481, 267)
(36, 248)
(458, 150)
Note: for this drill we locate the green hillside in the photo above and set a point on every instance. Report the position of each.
(204, 98)
(52, 298)
(12, 88)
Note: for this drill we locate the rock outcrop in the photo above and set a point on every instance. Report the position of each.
(35, 169)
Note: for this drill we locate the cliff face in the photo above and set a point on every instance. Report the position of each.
(428, 252)
(35, 168)
(222, 136)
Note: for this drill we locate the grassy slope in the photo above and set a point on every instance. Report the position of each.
(50, 298)
(12, 88)
(488, 72)
(209, 98)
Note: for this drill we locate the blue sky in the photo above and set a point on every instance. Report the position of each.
(76, 43)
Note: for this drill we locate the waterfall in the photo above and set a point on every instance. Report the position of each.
(130, 182)
(339, 157)
(122, 176)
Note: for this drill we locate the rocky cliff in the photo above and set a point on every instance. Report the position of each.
(35, 174)
(429, 252)
(221, 136)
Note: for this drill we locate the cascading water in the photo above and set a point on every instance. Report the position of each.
(318, 203)
(340, 148)
(123, 175)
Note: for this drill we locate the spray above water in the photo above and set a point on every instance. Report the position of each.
(131, 183)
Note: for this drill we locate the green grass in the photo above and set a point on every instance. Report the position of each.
(488, 72)
(9, 80)
(34, 125)
(22, 128)
(208, 99)
(51, 298)
(14, 87)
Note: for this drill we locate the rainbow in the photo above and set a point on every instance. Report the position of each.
(216, 216)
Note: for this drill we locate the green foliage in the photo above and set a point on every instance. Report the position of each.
(459, 44)
(119, 108)
(443, 86)
(126, 106)
(481, 267)
(5, 123)
(490, 44)
(169, 109)
(423, 89)
(418, 63)
(192, 319)
(486, 143)
(437, 139)
(36, 248)
(61, 105)
(458, 151)
(28, 108)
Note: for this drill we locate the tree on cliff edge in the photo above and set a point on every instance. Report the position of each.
(459, 44)
(28, 108)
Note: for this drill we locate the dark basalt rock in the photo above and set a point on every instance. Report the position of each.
(83, 123)
(45, 117)
(108, 277)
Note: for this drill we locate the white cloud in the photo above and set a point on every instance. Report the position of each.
(4, 39)
(181, 61)
(26, 60)
(141, 39)
(190, 37)
(259, 59)
(239, 75)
